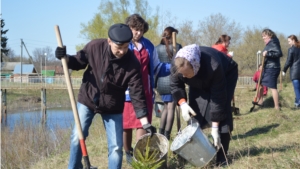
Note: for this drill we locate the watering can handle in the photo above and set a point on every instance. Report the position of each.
(192, 121)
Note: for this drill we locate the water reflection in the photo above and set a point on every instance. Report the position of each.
(56, 118)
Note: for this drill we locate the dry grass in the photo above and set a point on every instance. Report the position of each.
(264, 138)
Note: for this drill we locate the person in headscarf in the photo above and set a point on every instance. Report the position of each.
(211, 76)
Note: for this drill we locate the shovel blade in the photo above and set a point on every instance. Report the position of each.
(251, 109)
(235, 110)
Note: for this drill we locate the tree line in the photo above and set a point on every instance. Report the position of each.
(245, 42)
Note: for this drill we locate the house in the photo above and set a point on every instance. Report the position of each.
(7, 69)
(26, 74)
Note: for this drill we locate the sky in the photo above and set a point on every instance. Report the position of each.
(34, 20)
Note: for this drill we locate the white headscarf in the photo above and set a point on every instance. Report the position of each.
(192, 54)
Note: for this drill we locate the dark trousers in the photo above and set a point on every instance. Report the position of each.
(221, 156)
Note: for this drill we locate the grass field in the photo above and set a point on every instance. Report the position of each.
(265, 138)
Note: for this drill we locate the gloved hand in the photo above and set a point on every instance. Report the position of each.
(216, 136)
(186, 110)
(230, 53)
(60, 52)
(149, 128)
(283, 73)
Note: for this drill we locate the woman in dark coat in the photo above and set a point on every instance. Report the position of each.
(211, 76)
(293, 62)
(272, 53)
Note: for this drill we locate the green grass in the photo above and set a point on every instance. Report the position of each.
(265, 138)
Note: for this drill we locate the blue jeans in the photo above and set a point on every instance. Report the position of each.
(296, 84)
(113, 124)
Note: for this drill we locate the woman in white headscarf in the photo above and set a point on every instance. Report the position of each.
(211, 76)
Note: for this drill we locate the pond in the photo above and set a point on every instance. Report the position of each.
(56, 118)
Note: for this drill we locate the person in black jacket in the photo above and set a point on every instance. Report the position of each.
(272, 53)
(211, 76)
(293, 62)
(110, 69)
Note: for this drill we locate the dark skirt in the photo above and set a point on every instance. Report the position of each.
(269, 77)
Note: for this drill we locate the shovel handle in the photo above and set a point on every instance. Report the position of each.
(174, 42)
(177, 111)
(72, 99)
(69, 84)
(259, 80)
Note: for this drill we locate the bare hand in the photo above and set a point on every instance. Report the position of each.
(264, 53)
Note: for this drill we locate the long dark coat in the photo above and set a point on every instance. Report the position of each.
(211, 89)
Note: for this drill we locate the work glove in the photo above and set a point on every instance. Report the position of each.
(216, 136)
(186, 110)
(230, 53)
(149, 128)
(283, 73)
(60, 52)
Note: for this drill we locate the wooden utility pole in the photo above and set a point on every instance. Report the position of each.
(21, 60)
(3, 116)
(43, 106)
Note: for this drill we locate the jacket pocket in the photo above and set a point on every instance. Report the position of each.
(113, 97)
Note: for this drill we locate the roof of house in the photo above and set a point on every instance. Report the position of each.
(9, 66)
(26, 69)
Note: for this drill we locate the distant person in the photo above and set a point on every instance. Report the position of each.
(165, 54)
(272, 53)
(150, 68)
(256, 77)
(110, 69)
(211, 76)
(222, 45)
(293, 62)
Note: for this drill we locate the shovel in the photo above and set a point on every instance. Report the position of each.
(74, 108)
(177, 111)
(255, 101)
(235, 110)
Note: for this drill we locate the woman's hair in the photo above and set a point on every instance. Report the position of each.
(181, 62)
(167, 39)
(294, 38)
(223, 38)
(135, 21)
(269, 32)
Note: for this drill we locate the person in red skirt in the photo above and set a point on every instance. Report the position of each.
(151, 67)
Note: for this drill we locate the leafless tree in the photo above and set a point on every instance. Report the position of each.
(43, 56)
(187, 34)
(214, 26)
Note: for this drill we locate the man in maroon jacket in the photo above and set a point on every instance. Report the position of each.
(110, 69)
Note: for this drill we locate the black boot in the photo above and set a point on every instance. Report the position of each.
(129, 156)
(161, 131)
(221, 157)
(167, 134)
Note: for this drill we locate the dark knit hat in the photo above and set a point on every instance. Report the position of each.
(120, 33)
